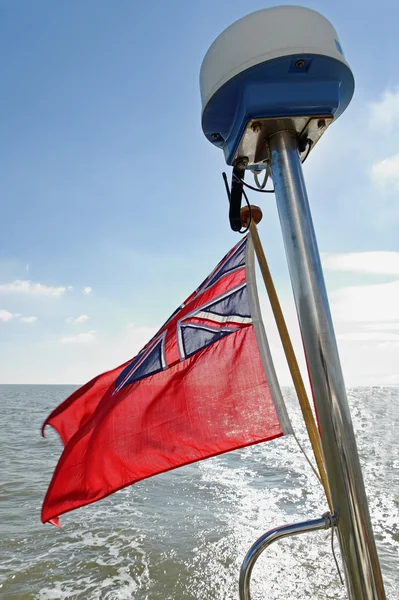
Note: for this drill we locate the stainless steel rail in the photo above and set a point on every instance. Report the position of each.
(268, 538)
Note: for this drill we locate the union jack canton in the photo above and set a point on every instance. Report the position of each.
(217, 308)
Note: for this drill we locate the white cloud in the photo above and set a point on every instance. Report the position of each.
(87, 290)
(384, 114)
(28, 319)
(368, 336)
(81, 319)
(80, 338)
(21, 286)
(70, 288)
(5, 315)
(383, 326)
(86, 357)
(78, 320)
(366, 303)
(366, 359)
(140, 334)
(385, 173)
(376, 263)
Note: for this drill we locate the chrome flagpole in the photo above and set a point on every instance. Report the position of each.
(271, 85)
(361, 565)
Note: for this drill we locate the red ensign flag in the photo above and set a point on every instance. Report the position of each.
(204, 385)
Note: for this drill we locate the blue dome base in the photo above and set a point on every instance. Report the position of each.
(321, 85)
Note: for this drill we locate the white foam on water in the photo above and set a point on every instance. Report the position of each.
(297, 566)
(183, 535)
(55, 593)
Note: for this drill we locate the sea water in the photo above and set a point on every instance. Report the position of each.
(182, 535)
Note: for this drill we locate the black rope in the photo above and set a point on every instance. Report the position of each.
(250, 213)
(251, 187)
(332, 519)
(261, 186)
(309, 143)
(333, 553)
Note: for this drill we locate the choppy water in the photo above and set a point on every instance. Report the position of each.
(182, 535)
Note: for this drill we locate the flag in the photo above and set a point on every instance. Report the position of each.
(204, 385)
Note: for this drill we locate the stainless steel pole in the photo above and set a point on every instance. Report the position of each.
(362, 569)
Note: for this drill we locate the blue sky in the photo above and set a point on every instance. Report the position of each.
(111, 201)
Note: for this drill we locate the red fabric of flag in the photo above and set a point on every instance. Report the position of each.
(198, 389)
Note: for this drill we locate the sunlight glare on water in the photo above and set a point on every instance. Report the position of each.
(182, 535)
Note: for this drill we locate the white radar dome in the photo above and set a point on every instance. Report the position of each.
(275, 62)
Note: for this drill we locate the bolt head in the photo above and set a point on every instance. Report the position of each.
(242, 162)
(256, 127)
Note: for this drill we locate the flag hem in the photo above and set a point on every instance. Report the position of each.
(263, 345)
